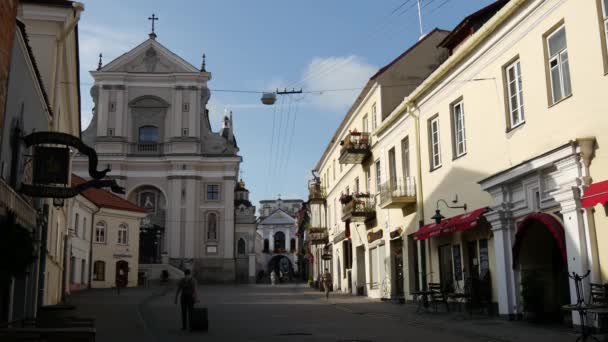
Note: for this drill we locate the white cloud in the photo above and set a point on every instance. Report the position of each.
(336, 73)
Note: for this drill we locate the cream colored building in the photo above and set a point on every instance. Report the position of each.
(114, 229)
(365, 245)
(52, 28)
(513, 124)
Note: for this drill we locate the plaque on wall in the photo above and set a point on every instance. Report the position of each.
(373, 236)
(211, 249)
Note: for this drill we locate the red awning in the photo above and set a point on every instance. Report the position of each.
(595, 193)
(550, 223)
(451, 225)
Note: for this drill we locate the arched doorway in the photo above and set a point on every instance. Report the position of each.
(281, 265)
(543, 270)
(152, 230)
(122, 273)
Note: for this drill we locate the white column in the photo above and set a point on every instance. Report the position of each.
(120, 113)
(228, 199)
(287, 239)
(102, 112)
(271, 240)
(506, 278)
(191, 115)
(252, 267)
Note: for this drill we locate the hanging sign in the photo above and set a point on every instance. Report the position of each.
(52, 166)
(373, 236)
(396, 233)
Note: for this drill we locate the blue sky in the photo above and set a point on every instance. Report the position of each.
(264, 45)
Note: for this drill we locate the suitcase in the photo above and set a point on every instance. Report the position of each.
(198, 319)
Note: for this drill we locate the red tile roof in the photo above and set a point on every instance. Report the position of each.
(106, 199)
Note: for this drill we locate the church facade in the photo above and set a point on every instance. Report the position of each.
(151, 127)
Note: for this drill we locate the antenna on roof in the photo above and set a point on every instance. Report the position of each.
(420, 18)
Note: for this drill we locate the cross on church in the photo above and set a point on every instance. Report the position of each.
(153, 18)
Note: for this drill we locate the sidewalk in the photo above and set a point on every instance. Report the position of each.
(457, 323)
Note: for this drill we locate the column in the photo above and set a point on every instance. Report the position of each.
(120, 112)
(191, 115)
(102, 112)
(287, 240)
(271, 240)
(506, 278)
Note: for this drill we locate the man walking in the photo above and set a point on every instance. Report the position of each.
(187, 288)
(326, 282)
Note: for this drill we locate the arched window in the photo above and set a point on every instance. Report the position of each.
(123, 234)
(212, 226)
(99, 270)
(279, 241)
(292, 245)
(148, 134)
(266, 246)
(100, 232)
(241, 246)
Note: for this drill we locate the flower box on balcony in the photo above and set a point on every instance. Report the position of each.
(355, 148)
(359, 210)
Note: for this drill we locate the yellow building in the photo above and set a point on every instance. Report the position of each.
(365, 251)
(52, 28)
(512, 124)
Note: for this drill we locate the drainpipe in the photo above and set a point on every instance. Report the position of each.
(413, 110)
(91, 247)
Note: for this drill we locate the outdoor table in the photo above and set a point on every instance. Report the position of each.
(583, 309)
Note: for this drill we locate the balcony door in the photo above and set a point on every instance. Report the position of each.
(392, 169)
(148, 135)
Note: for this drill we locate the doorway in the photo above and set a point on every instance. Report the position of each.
(282, 267)
(360, 276)
(397, 250)
(122, 273)
(446, 274)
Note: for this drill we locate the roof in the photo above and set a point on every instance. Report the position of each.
(278, 217)
(21, 27)
(364, 91)
(470, 24)
(62, 3)
(105, 199)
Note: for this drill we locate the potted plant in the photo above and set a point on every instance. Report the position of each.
(345, 198)
(532, 294)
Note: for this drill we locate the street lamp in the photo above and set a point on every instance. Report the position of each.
(438, 217)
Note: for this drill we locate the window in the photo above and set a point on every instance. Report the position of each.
(213, 192)
(99, 270)
(100, 232)
(364, 125)
(392, 168)
(334, 168)
(112, 106)
(435, 147)
(378, 171)
(76, 228)
(266, 244)
(605, 18)
(84, 228)
(148, 134)
(458, 135)
(374, 119)
(241, 246)
(347, 191)
(357, 185)
(368, 181)
(110, 132)
(405, 156)
(185, 132)
(340, 167)
(186, 107)
(212, 226)
(123, 234)
(559, 69)
(292, 245)
(515, 94)
(279, 241)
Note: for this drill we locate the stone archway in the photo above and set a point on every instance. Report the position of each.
(281, 264)
(152, 235)
(543, 271)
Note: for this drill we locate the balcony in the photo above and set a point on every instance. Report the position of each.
(146, 148)
(316, 193)
(355, 148)
(318, 236)
(17, 204)
(358, 208)
(398, 193)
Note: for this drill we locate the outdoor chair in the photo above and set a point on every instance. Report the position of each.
(463, 295)
(599, 295)
(438, 296)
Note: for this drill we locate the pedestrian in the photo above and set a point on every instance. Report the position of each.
(187, 288)
(120, 280)
(273, 277)
(326, 282)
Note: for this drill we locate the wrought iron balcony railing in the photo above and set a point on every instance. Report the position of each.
(316, 192)
(359, 209)
(356, 146)
(398, 193)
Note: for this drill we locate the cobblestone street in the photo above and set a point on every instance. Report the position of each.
(290, 312)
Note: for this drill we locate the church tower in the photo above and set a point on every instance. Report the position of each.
(151, 127)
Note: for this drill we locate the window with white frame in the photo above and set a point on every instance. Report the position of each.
(123, 234)
(213, 192)
(368, 181)
(100, 232)
(99, 270)
(435, 147)
(378, 176)
(374, 117)
(405, 156)
(356, 189)
(364, 126)
(515, 94)
(334, 168)
(459, 134)
(84, 228)
(559, 68)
